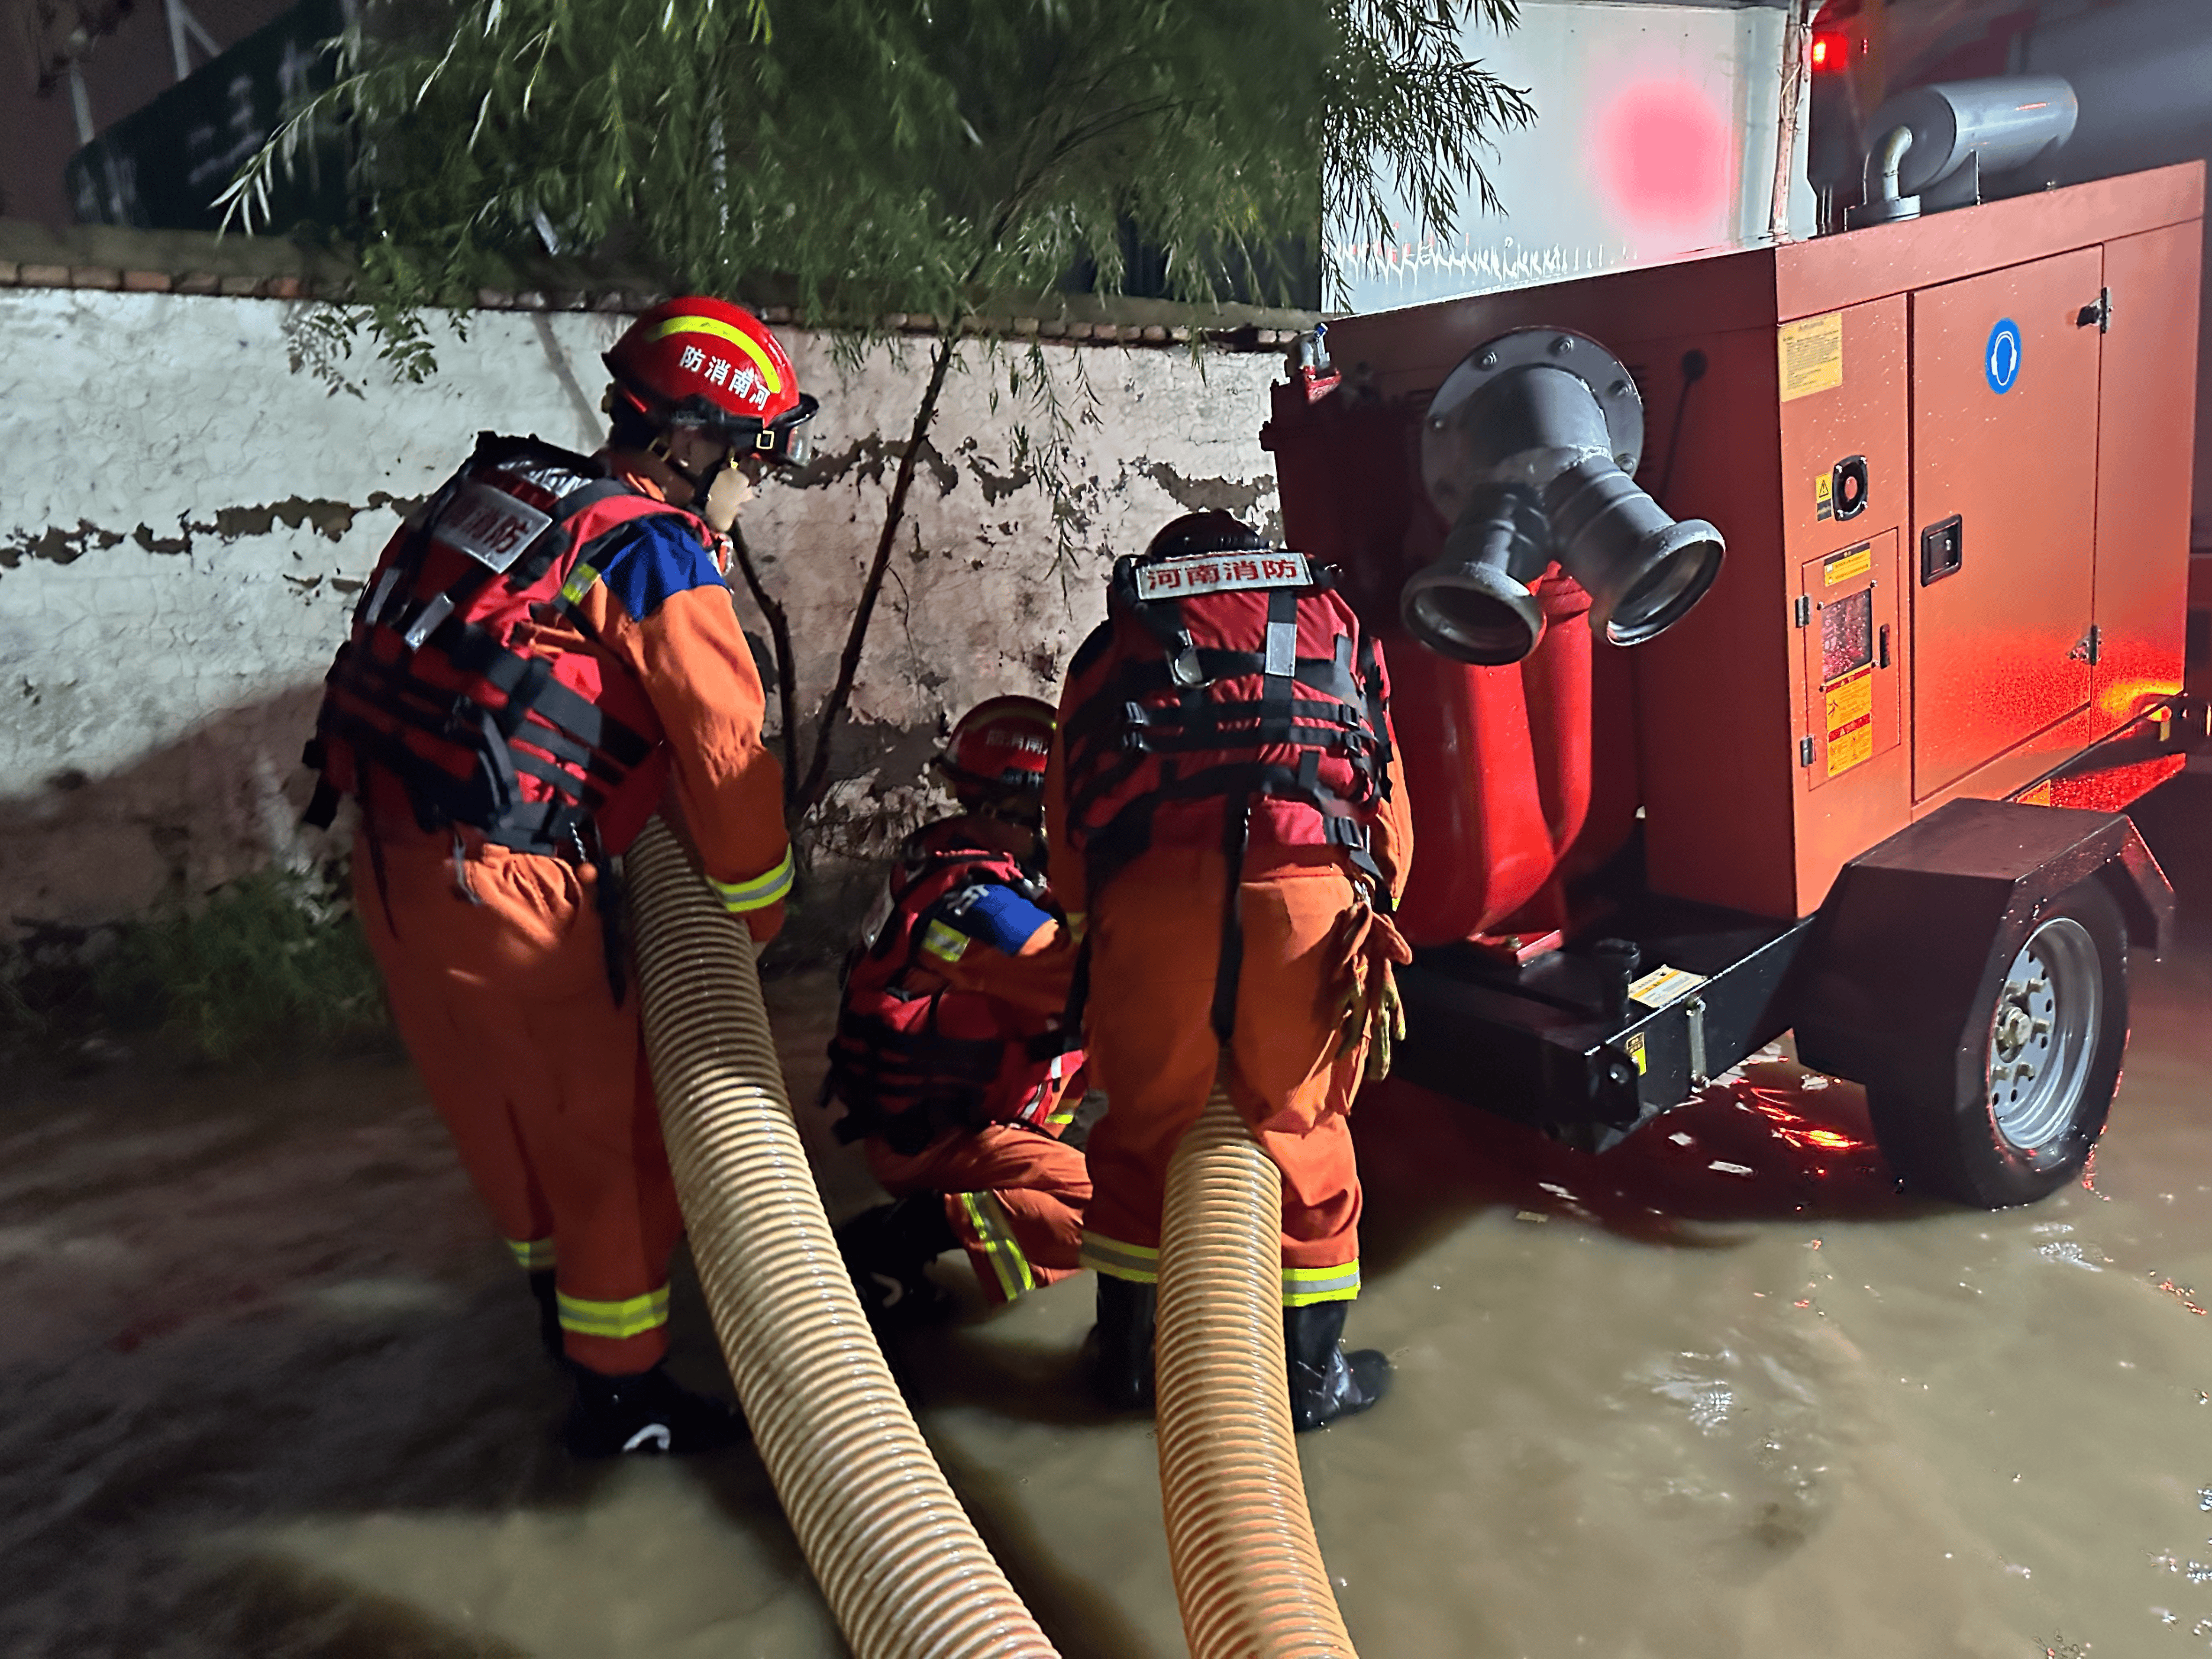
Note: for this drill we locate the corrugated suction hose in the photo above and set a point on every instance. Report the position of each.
(901, 1566)
(1247, 1571)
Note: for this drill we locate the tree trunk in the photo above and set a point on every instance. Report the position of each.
(816, 785)
(786, 664)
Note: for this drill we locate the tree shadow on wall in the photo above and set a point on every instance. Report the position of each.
(78, 851)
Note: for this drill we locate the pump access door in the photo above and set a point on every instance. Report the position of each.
(2002, 563)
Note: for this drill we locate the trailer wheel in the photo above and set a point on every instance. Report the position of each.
(2016, 1122)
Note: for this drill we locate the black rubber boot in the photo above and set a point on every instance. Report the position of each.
(1122, 1370)
(1326, 1383)
(646, 1414)
(888, 1251)
(548, 1313)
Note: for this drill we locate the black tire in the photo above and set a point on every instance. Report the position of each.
(2018, 1115)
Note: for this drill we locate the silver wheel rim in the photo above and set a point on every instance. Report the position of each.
(2043, 1033)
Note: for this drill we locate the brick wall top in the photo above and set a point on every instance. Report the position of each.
(108, 257)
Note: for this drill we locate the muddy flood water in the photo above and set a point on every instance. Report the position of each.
(269, 1386)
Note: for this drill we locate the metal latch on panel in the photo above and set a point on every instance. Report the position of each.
(2098, 316)
(1804, 610)
(1942, 550)
(2088, 648)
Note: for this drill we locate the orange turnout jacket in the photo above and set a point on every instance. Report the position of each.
(506, 730)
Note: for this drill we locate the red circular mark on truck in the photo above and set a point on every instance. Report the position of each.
(1664, 157)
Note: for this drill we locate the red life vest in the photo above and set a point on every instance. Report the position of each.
(913, 1056)
(1227, 697)
(450, 688)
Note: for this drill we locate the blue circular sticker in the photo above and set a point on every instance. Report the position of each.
(2001, 359)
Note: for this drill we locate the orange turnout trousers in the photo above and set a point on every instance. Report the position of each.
(1014, 1196)
(1156, 944)
(498, 979)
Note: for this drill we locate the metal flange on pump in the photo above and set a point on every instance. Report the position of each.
(1528, 450)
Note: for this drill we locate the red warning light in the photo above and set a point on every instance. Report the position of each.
(1831, 51)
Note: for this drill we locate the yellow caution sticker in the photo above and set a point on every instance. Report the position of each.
(1846, 566)
(1824, 496)
(1634, 1044)
(1851, 720)
(1663, 985)
(1812, 355)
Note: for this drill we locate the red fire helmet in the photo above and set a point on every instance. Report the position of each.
(699, 362)
(999, 748)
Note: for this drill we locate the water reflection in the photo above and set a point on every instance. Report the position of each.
(266, 1387)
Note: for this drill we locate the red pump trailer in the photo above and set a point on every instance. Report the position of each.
(1863, 776)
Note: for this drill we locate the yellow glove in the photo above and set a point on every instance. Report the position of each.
(1386, 1028)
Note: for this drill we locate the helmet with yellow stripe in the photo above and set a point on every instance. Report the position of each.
(704, 362)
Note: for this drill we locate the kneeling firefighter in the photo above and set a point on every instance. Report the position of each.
(544, 655)
(950, 1058)
(1226, 804)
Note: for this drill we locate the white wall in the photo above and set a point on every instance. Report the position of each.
(1655, 136)
(186, 507)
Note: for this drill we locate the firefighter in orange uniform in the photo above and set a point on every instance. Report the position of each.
(950, 1057)
(1225, 803)
(542, 655)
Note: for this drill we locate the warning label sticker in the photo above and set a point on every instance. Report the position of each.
(1635, 1047)
(1812, 355)
(1824, 496)
(1845, 566)
(1663, 985)
(1851, 720)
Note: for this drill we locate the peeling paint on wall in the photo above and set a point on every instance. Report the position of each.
(328, 518)
(184, 520)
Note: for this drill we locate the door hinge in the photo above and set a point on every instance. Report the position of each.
(2088, 648)
(1804, 610)
(1804, 751)
(2098, 316)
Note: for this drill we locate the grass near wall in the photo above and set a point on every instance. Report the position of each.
(273, 964)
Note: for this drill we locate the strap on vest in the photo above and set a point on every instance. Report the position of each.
(1236, 828)
(1277, 685)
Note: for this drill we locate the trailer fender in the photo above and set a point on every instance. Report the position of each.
(1913, 942)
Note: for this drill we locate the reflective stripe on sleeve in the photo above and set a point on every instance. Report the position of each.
(1135, 1262)
(615, 1321)
(741, 897)
(1302, 1286)
(578, 583)
(946, 944)
(995, 1234)
(531, 1255)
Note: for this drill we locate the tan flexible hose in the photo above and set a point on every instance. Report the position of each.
(1248, 1572)
(902, 1570)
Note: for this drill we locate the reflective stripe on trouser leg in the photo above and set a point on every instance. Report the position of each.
(1139, 1263)
(1302, 1286)
(531, 1255)
(995, 1234)
(615, 1321)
